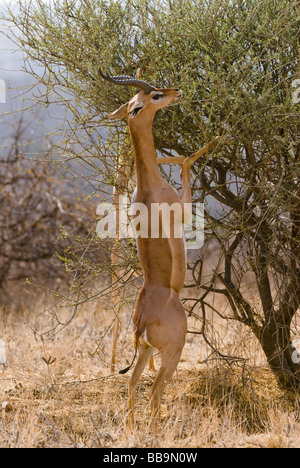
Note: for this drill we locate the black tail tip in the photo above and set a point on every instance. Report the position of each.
(123, 371)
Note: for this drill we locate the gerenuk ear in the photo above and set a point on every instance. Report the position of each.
(119, 113)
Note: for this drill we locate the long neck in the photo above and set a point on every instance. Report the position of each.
(147, 171)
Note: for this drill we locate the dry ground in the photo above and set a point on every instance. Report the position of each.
(60, 393)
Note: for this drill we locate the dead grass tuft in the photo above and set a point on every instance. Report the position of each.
(60, 394)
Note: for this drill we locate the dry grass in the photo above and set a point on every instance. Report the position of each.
(60, 394)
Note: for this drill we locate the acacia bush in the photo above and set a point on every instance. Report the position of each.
(236, 62)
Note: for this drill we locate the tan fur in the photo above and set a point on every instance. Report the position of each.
(159, 318)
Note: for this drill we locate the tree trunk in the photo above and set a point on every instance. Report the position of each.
(281, 354)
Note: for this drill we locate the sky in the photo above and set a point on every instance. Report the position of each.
(10, 60)
(14, 95)
(37, 122)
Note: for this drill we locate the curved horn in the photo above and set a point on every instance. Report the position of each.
(125, 80)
